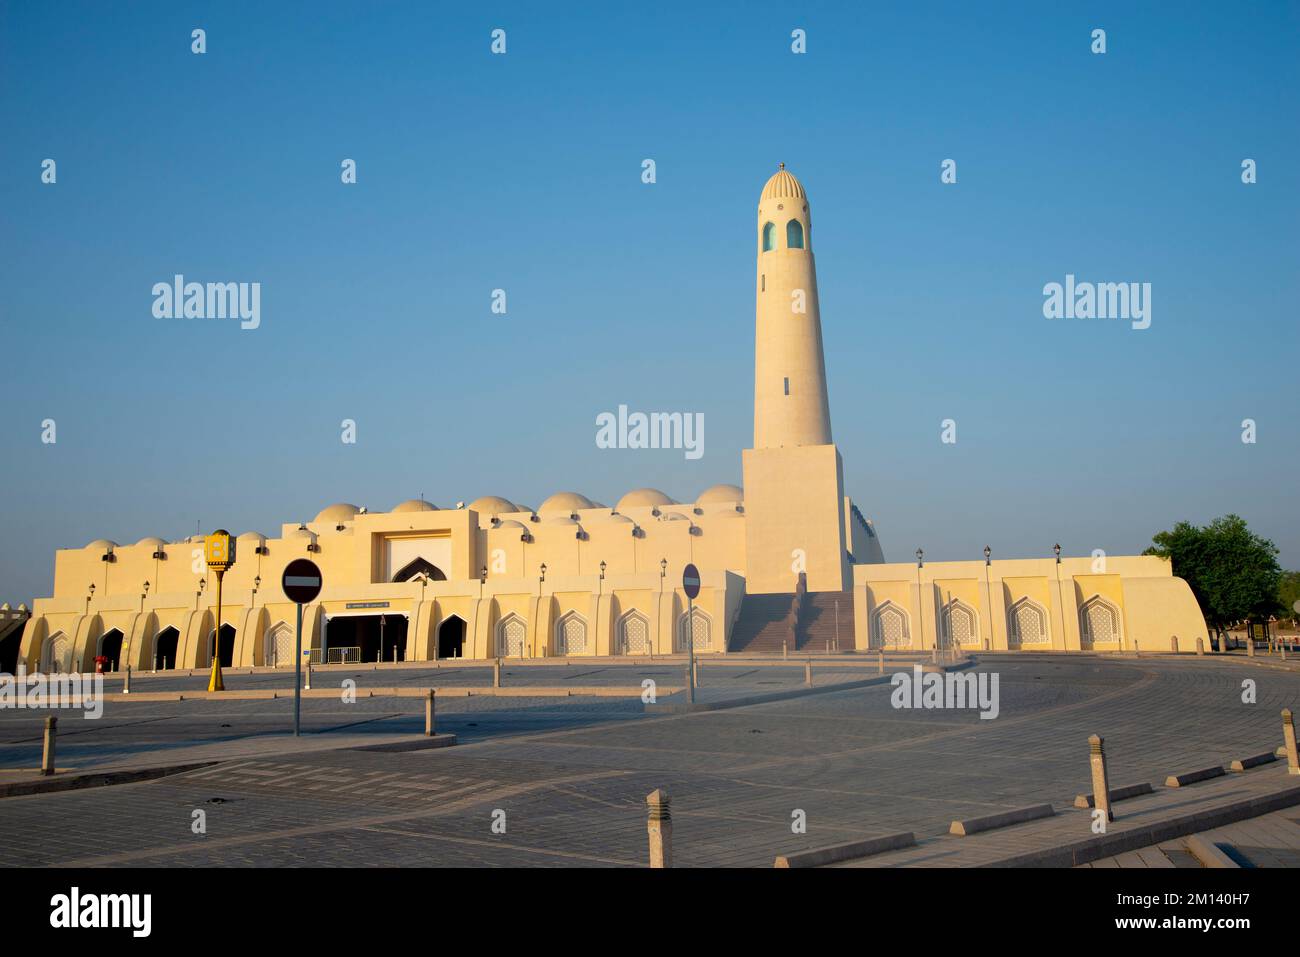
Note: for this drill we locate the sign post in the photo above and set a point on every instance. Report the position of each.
(219, 553)
(690, 585)
(301, 583)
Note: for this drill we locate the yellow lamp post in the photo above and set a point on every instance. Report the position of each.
(219, 552)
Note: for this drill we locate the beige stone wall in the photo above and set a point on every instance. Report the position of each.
(1032, 604)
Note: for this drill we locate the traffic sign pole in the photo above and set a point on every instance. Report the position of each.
(301, 584)
(690, 585)
(297, 675)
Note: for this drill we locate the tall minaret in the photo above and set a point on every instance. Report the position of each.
(795, 509)
(790, 403)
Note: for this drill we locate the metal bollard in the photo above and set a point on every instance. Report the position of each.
(696, 668)
(659, 828)
(126, 688)
(428, 715)
(308, 687)
(51, 730)
(807, 673)
(1100, 776)
(496, 673)
(1288, 736)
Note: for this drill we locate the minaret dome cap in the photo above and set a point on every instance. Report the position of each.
(783, 186)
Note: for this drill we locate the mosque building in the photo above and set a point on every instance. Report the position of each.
(789, 561)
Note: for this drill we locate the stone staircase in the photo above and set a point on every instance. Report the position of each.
(817, 627)
(763, 624)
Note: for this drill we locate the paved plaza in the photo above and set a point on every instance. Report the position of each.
(568, 776)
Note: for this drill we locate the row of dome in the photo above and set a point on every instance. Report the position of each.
(560, 504)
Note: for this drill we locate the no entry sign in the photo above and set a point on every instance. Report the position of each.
(691, 581)
(301, 581)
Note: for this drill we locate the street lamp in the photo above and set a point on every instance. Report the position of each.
(663, 568)
(1057, 549)
(602, 571)
(988, 553)
(257, 583)
(920, 558)
(482, 575)
(542, 577)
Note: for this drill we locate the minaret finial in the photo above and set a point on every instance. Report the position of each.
(780, 166)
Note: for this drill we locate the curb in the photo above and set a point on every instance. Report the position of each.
(420, 743)
(1116, 794)
(97, 779)
(1109, 845)
(1193, 777)
(1020, 815)
(1208, 853)
(846, 852)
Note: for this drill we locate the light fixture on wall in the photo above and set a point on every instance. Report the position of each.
(542, 576)
(482, 575)
(988, 553)
(602, 570)
(920, 558)
(1057, 549)
(663, 567)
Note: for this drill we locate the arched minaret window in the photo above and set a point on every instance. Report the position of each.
(794, 234)
(769, 236)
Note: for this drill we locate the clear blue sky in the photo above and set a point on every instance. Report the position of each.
(523, 172)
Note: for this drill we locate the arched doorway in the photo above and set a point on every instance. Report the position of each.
(56, 653)
(280, 644)
(110, 647)
(512, 633)
(164, 649)
(365, 637)
(225, 645)
(633, 634)
(451, 637)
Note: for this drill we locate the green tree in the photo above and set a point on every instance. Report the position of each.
(1289, 593)
(1233, 572)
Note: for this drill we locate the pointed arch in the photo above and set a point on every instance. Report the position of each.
(1099, 622)
(279, 645)
(960, 624)
(1027, 624)
(699, 627)
(56, 653)
(794, 234)
(769, 237)
(633, 634)
(417, 565)
(109, 646)
(890, 627)
(571, 634)
(512, 636)
(451, 637)
(164, 648)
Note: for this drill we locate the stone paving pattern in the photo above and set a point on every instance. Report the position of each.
(572, 774)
